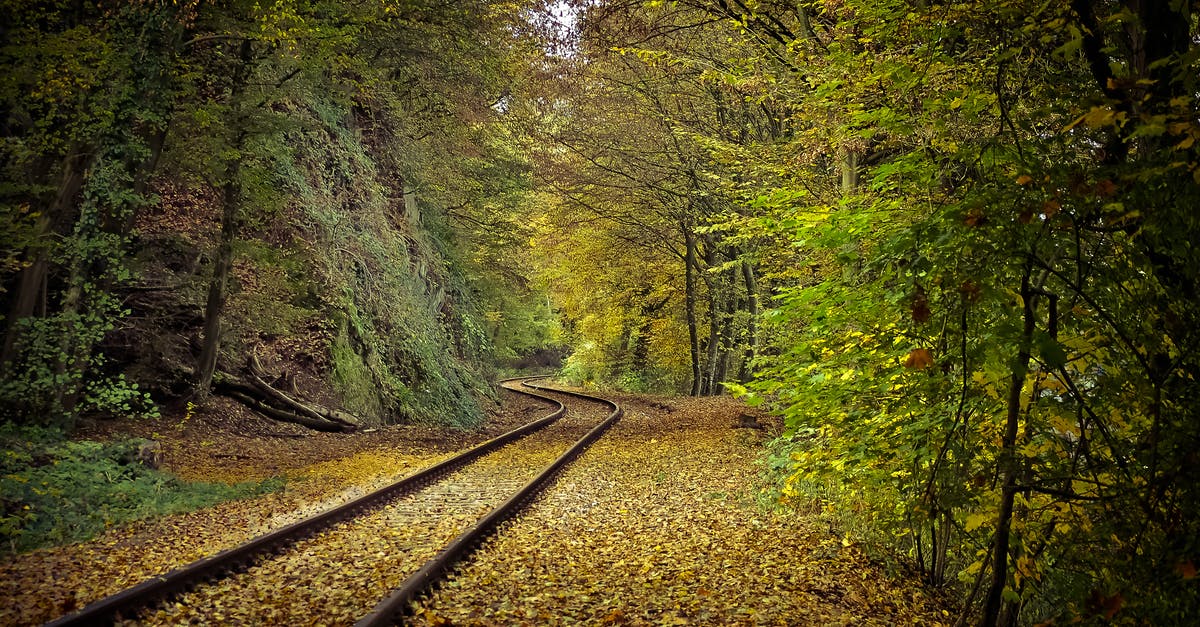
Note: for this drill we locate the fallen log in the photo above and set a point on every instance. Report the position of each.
(253, 391)
(278, 397)
(238, 393)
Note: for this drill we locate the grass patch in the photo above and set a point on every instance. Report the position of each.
(55, 491)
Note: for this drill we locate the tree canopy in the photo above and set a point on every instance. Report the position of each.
(952, 244)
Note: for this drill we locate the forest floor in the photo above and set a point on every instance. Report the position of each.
(657, 523)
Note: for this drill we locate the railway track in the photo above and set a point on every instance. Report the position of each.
(368, 558)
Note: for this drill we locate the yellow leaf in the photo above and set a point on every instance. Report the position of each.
(1099, 116)
(1096, 118)
(974, 521)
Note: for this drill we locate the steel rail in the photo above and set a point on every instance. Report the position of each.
(392, 609)
(126, 602)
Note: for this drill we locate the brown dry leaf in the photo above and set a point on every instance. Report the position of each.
(970, 290)
(224, 443)
(975, 217)
(920, 307)
(655, 524)
(918, 359)
(1105, 605)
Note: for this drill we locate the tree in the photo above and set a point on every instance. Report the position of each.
(231, 94)
(85, 105)
(631, 144)
(968, 223)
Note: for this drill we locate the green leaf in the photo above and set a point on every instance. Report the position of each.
(1052, 353)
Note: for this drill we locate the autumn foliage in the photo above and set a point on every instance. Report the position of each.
(951, 245)
(972, 231)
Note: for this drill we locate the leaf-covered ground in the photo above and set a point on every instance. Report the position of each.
(229, 445)
(340, 574)
(656, 524)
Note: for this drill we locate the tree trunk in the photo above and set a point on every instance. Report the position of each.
(1010, 466)
(241, 395)
(32, 284)
(277, 404)
(849, 167)
(640, 357)
(206, 364)
(714, 345)
(73, 352)
(726, 347)
(714, 321)
(689, 264)
(751, 283)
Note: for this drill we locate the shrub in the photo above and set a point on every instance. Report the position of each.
(55, 491)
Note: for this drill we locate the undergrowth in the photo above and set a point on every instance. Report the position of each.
(55, 491)
(408, 346)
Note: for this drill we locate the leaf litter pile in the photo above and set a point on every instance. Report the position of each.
(656, 524)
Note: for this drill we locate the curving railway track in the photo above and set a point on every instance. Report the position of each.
(367, 559)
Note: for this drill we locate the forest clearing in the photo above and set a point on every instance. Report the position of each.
(852, 311)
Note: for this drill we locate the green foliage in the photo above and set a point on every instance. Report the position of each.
(976, 325)
(57, 491)
(645, 149)
(283, 300)
(343, 112)
(35, 394)
(404, 343)
(976, 224)
(83, 99)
